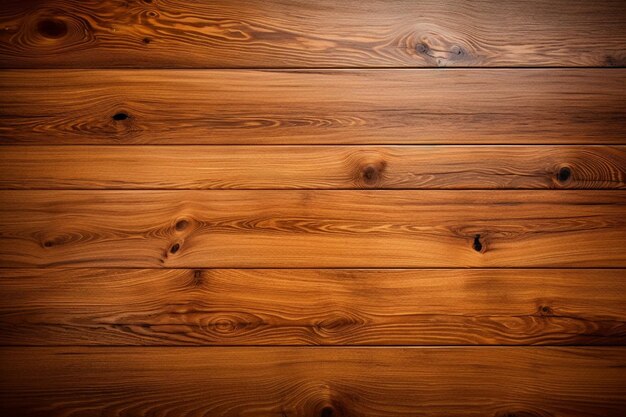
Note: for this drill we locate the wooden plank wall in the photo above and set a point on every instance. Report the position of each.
(313, 208)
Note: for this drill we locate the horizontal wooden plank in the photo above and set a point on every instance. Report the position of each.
(313, 107)
(317, 167)
(305, 307)
(281, 229)
(299, 382)
(298, 33)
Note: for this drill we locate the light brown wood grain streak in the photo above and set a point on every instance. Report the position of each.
(319, 382)
(367, 228)
(319, 167)
(311, 307)
(313, 107)
(298, 33)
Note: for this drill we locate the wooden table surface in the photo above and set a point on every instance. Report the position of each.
(330, 208)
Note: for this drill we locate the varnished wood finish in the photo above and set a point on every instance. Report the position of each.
(302, 382)
(317, 167)
(299, 33)
(283, 208)
(283, 229)
(314, 107)
(276, 307)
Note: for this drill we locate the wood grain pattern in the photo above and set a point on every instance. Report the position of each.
(324, 33)
(318, 167)
(284, 208)
(313, 107)
(280, 229)
(305, 307)
(297, 382)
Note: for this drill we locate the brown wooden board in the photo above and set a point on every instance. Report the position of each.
(302, 382)
(312, 167)
(333, 228)
(308, 307)
(164, 107)
(322, 33)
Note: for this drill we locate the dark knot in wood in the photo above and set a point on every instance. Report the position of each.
(52, 28)
(181, 225)
(422, 48)
(120, 116)
(372, 173)
(327, 412)
(175, 247)
(477, 245)
(545, 311)
(564, 174)
(456, 50)
(197, 278)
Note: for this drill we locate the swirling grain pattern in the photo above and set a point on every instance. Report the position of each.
(303, 382)
(324, 33)
(220, 208)
(276, 307)
(314, 229)
(582, 106)
(318, 167)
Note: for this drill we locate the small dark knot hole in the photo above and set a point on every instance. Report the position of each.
(477, 245)
(327, 412)
(370, 174)
(120, 116)
(564, 174)
(422, 48)
(52, 28)
(175, 248)
(197, 277)
(147, 40)
(181, 225)
(48, 243)
(546, 310)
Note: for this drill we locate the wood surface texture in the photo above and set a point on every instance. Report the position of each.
(275, 307)
(333, 208)
(322, 33)
(312, 167)
(334, 228)
(164, 107)
(302, 382)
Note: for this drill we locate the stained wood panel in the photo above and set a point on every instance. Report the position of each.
(325, 33)
(318, 167)
(286, 208)
(313, 228)
(314, 382)
(314, 107)
(304, 307)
